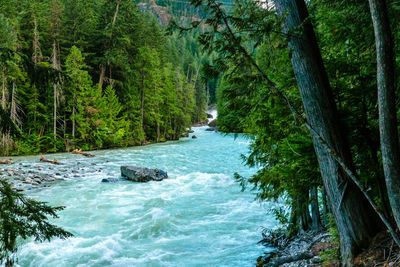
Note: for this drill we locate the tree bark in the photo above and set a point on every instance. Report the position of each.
(386, 101)
(355, 219)
(325, 207)
(316, 217)
(306, 220)
(102, 75)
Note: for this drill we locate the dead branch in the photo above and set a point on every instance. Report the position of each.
(86, 154)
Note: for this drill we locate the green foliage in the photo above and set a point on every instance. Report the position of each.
(251, 54)
(22, 218)
(90, 62)
(332, 254)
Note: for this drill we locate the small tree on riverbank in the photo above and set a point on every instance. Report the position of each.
(22, 217)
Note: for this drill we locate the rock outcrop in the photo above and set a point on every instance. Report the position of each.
(143, 175)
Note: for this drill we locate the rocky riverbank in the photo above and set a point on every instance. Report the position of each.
(316, 249)
(28, 176)
(305, 249)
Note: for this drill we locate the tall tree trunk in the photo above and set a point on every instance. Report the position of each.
(102, 75)
(386, 101)
(37, 53)
(142, 102)
(356, 221)
(4, 90)
(15, 108)
(157, 113)
(294, 217)
(325, 206)
(374, 150)
(73, 122)
(316, 217)
(305, 211)
(56, 66)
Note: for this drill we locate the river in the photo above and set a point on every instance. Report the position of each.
(197, 217)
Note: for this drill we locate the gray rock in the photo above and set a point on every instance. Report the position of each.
(137, 174)
(213, 123)
(110, 180)
(194, 137)
(211, 129)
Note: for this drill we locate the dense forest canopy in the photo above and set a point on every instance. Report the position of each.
(94, 74)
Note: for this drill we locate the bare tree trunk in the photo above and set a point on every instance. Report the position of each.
(142, 102)
(15, 107)
(73, 122)
(116, 13)
(55, 89)
(4, 91)
(316, 217)
(103, 68)
(176, 104)
(386, 102)
(356, 221)
(102, 75)
(158, 113)
(37, 53)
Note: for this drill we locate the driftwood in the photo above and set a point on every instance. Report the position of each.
(43, 159)
(292, 258)
(5, 161)
(86, 154)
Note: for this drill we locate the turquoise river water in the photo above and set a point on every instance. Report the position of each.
(197, 217)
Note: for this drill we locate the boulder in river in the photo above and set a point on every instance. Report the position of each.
(211, 129)
(209, 116)
(142, 175)
(213, 123)
(110, 180)
(194, 137)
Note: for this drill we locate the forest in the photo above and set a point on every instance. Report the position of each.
(92, 75)
(313, 85)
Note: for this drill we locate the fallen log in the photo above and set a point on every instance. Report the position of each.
(80, 152)
(5, 161)
(43, 159)
(275, 262)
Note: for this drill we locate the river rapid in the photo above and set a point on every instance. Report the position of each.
(196, 217)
